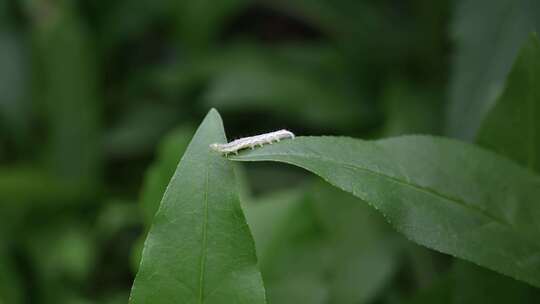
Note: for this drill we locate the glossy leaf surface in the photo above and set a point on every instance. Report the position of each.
(199, 248)
(482, 210)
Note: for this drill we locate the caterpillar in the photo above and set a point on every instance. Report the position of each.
(251, 142)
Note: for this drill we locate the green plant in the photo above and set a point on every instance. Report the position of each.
(99, 101)
(454, 197)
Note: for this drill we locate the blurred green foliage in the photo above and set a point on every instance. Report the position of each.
(488, 43)
(98, 100)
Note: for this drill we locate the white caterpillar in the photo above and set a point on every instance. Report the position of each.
(251, 142)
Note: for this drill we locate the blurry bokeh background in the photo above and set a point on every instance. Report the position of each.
(98, 100)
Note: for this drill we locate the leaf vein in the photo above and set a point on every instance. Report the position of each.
(204, 246)
(405, 183)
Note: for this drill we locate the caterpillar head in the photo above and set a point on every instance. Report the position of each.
(214, 147)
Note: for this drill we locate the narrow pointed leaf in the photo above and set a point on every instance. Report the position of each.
(199, 248)
(488, 35)
(447, 195)
(68, 89)
(512, 127)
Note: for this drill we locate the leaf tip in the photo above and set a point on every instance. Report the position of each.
(214, 112)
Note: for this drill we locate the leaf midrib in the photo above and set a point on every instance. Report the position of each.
(204, 247)
(424, 189)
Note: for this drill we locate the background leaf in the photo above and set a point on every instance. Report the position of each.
(411, 181)
(68, 91)
(509, 129)
(289, 246)
(512, 128)
(487, 45)
(322, 252)
(199, 248)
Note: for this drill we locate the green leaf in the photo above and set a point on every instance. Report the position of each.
(477, 285)
(290, 247)
(509, 129)
(199, 248)
(512, 128)
(67, 86)
(272, 219)
(332, 253)
(446, 195)
(488, 35)
(364, 249)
